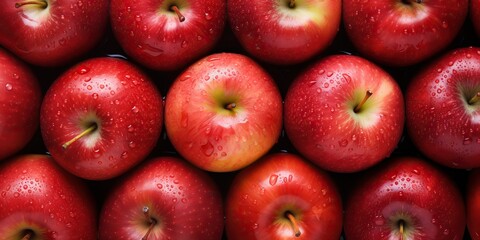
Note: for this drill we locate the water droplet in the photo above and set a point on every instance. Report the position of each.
(132, 144)
(184, 44)
(184, 119)
(159, 186)
(273, 179)
(347, 77)
(95, 96)
(130, 128)
(467, 141)
(138, 18)
(16, 194)
(8, 86)
(207, 148)
(83, 70)
(135, 109)
(185, 78)
(124, 155)
(208, 16)
(343, 143)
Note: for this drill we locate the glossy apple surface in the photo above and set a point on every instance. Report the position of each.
(403, 32)
(443, 112)
(20, 98)
(52, 32)
(223, 112)
(405, 198)
(164, 198)
(284, 32)
(39, 200)
(152, 33)
(475, 15)
(322, 120)
(118, 107)
(263, 194)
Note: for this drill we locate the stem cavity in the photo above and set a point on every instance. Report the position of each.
(175, 9)
(28, 234)
(294, 223)
(150, 220)
(87, 131)
(230, 106)
(368, 94)
(291, 4)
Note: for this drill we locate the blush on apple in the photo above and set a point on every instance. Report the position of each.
(443, 109)
(101, 117)
(344, 113)
(223, 112)
(405, 198)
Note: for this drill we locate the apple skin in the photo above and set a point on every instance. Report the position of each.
(472, 203)
(153, 35)
(118, 97)
(273, 32)
(440, 121)
(20, 98)
(320, 120)
(208, 134)
(475, 15)
(403, 32)
(183, 200)
(40, 196)
(62, 33)
(409, 189)
(261, 194)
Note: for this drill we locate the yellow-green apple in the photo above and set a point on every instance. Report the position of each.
(475, 15)
(344, 113)
(403, 32)
(20, 98)
(39, 200)
(101, 117)
(162, 199)
(283, 196)
(52, 32)
(443, 109)
(284, 31)
(472, 203)
(405, 198)
(223, 112)
(167, 34)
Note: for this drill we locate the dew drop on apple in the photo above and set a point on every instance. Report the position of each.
(207, 148)
(467, 141)
(273, 179)
(83, 70)
(8, 87)
(208, 16)
(159, 186)
(124, 155)
(4, 194)
(16, 194)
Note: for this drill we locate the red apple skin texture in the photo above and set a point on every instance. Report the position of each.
(438, 121)
(396, 34)
(20, 98)
(406, 185)
(318, 119)
(153, 35)
(184, 200)
(475, 15)
(277, 38)
(473, 204)
(71, 30)
(129, 109)
(280, 182)
(198, 126)
(39, 195)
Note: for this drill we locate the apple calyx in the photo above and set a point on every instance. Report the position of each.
(291, 4)
(85, 132)
(28, 234)
(368, 94)
(175, 9)
(40, 3)
(474, 99)
(293, 222)
(151, 221)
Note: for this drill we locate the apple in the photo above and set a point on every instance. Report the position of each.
(475, 15)
(39, 200)
(20, 98)
(52, 32)
(223, 112)
(403, 32)
(283, 196)
(472, 203)
(167, 35)
(443, 109)
(163, 198)
(405, 198)
(101, 117)
(284, 32)
(344, 113)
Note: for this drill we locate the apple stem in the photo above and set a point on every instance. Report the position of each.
(359, 106)
(41, 3)
(28, 235)
(150, 220)
(179, 14)
(401, 228)
(294, 223)
(87, 131)
(230, 106)
(474, 99)
(291, 4)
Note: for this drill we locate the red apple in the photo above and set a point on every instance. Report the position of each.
(282, 196)
(405, 198)
(475, 15)
(163, 198)
(20, 98)
(101, 117)
(223, 112)
(472, 202)
(443, 109)
(284, 32)
(39, 200)
(52, 32)
(167, 35)
(344, 113)
(403, 32)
